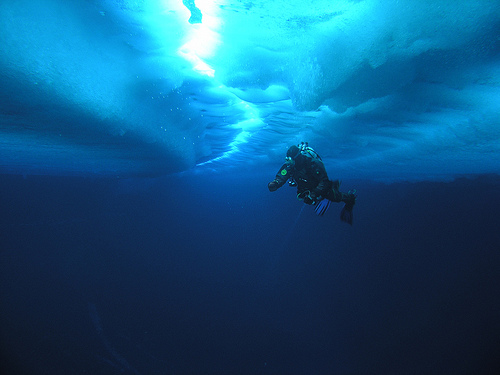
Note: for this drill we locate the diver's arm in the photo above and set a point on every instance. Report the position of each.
(281, 177)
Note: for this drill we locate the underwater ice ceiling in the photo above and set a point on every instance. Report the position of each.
(381, 89)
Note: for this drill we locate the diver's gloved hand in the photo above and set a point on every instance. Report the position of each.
(273, 185)
(309, 198)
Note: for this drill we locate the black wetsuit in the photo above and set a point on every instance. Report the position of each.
(311, 177)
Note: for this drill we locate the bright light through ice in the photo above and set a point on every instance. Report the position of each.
(202, 39)
(201, 43)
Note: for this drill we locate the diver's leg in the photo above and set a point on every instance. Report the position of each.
(335, 195)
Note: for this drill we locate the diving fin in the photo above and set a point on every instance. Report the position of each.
(322, 206)
(346, 213)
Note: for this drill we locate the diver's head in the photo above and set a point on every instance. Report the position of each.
(291, 154)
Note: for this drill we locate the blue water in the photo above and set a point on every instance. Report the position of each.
(137, 233)
(216, 275)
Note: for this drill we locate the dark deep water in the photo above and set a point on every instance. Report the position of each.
(212, 274)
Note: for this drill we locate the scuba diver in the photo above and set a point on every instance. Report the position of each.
(305, 169)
